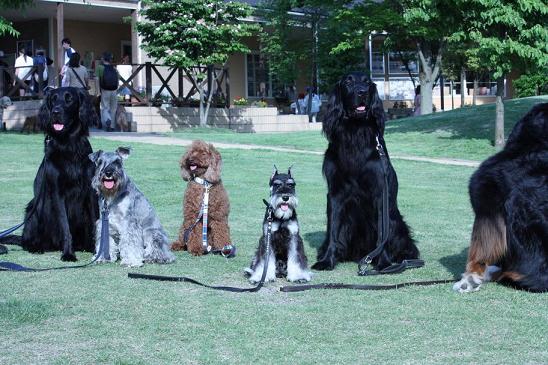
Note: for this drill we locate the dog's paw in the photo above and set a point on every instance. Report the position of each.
(470, 282)
(323, 265)
(131, 263)
(248, 272)
(299, 277)
(256, 277)
(69, 257)
(178, 246)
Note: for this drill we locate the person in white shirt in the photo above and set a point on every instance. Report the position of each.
(68, 51)
(23, 70)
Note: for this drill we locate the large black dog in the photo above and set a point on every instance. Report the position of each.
(63, 212)
(509, 195)
(353, 125)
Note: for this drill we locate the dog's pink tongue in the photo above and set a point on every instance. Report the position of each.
(109, 184)
(361, 108)
(58, 127)
(284, 207)
(192, 167)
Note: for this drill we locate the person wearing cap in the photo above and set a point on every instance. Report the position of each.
(109, 97)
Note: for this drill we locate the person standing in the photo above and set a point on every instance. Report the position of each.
(108, 77)
(67, 51)
(23, 70)
(76, 75)
(315, 104)
(417, 101)
(41, 62)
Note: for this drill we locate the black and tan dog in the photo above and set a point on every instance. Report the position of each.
(509, 195)
(287, 257)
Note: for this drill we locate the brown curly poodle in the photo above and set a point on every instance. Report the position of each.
(202, 160)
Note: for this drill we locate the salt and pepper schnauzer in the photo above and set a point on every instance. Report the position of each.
(287, 258)
(135, 232)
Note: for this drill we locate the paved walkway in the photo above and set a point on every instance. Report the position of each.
(159, 139)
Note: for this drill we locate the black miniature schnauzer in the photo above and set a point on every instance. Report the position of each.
(287, 258)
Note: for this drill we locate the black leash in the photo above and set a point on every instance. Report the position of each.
(297, 288)
(103, 250)
(384, 231)
(224, 288)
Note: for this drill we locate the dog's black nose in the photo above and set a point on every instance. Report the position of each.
(56, 111)
(361, 91)
(109, 171)
(285, 198)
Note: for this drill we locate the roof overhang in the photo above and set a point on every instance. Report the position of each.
(102, 11)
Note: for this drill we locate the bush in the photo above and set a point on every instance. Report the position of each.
(240, 101)
(531, 84)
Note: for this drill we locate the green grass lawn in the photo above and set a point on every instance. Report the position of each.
(97, 315)
(465, 133)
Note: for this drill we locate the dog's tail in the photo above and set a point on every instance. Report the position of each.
(11, 239)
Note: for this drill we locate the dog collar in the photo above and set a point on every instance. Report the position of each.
(201, 181)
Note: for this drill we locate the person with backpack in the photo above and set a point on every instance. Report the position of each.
(76, 75)
(108, 84)
(41, 61)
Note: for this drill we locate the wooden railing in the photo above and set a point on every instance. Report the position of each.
(146, 85)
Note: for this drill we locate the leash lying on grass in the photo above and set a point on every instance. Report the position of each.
(224, 288)
(103, 249)
(364, 264)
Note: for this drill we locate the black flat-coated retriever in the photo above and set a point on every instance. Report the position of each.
(63, 212)
(509, 195)
(353, 123)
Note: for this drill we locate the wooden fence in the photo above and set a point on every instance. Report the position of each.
(146, 85)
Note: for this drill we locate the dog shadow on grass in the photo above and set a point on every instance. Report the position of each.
(314, 239)
(456, 263)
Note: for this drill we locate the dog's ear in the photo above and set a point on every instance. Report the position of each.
(44, 114)
(183, 165)
(334, 111)
(289, 170)
(123, 152)
(86, 112)
(376, 109)
(213, 172)
(274, 173)
(94, 157)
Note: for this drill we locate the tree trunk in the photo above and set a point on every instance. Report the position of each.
(426, 95)
(499, 124)
(463, 88)
(429, 72)
(203, 119)
(475, 94)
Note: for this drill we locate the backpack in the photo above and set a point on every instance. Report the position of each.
(109, 81)
(41, 60)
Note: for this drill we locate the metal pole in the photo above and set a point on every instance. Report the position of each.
(441, 91)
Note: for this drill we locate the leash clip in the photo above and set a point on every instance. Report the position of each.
(363, 265)
(380, 150)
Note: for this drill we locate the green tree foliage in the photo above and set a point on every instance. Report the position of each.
(508, 35)
(279, 42)
(190, 33)
(532, 84)
(6, 27)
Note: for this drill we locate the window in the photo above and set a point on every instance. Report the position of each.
(259, 80)
(377, 63)
(396, 64)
